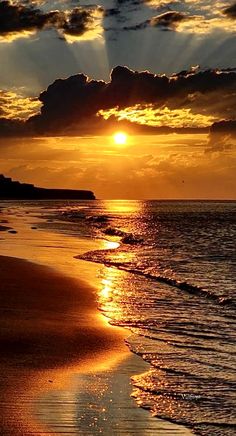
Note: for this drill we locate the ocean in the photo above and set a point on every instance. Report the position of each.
(169, 278)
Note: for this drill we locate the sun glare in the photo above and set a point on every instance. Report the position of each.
(120, 138)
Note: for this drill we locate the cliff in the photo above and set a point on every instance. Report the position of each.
(11, 190)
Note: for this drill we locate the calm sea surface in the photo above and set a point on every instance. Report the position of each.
(171, 282)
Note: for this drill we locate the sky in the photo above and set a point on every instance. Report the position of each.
(163, 72)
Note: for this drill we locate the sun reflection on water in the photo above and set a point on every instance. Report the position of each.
(110, 245)
(110, 295)
(106, 289)
(123, 206)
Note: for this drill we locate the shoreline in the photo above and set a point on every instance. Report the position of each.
(41, 336)
(77, 341)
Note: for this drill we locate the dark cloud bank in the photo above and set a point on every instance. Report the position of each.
(70, 106)
(17, 18)
(224, 127)
(230, 11)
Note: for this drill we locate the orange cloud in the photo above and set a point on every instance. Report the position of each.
(15, 106)
(157, 117)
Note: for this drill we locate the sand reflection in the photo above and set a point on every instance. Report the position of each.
(100, 403)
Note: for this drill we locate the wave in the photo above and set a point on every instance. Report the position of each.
(126, 238)
(100, 221)
(100, 256)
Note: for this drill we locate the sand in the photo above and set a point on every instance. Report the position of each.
(48, 322)
(45, 314)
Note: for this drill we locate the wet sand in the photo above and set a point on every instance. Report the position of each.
(63, 369)
(48, 322)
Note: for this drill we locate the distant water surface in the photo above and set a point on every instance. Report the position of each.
(171, 282)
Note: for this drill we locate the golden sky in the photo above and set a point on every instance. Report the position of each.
(163, 72)
(151, 166)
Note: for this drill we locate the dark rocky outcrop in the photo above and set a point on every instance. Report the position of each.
(10, 189)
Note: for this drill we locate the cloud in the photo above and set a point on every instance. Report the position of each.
(222, 137)
(82, 21)
(230, 11)
(17, 20)
(225, 127)
(193, 17)
(196, 17)
(188, 99)
(77, 99)
(168, 20)
(222, 145)
(10, 127)
(24, 18)
(111, 12)
(15, 106)
(149, 115)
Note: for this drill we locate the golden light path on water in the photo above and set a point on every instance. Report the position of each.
(123, 206)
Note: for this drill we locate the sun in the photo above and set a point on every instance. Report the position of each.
(120, 138)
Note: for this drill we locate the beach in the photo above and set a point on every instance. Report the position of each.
(55, 345)
(117, 218)
(40, 332)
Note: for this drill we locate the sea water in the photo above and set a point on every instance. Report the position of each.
(170, 279)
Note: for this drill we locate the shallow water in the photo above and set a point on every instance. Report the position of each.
(171, 282)
(100, 403)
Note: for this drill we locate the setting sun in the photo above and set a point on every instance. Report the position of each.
(120, 138)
